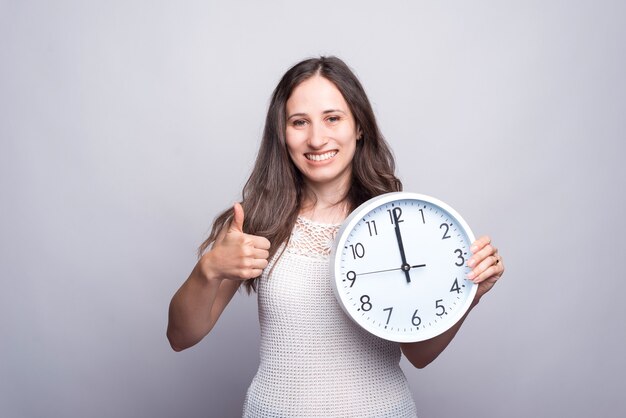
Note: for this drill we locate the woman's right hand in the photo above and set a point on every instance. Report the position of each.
(235, 255)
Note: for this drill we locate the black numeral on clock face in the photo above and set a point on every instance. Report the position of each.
(358, 250)
(389, 315)
(459, 254)
(445, 233)
(395, 214)
(351, 276)
(371, 226)
(423, 219)
(440, 307)
(455, 287)
(416, 320)
(365, 303)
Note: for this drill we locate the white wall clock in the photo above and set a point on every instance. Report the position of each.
(399, 266)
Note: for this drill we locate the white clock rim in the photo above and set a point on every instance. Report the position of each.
(350, 222)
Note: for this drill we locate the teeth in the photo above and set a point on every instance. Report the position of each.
(321, 157)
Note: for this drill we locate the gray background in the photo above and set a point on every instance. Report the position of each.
(127, 125)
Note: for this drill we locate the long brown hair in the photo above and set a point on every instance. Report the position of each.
(273, 194)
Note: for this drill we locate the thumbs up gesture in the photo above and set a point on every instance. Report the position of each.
(236, 255)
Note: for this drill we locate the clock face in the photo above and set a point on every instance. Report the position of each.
(399, 266)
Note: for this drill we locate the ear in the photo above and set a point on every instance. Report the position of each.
(359, 133)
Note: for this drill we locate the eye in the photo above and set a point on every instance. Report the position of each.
(298, 123)
(333, 119)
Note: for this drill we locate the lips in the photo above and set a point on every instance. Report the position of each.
(321, 157)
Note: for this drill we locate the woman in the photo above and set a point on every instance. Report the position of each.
(321, 156)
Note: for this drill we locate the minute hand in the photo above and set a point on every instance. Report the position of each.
(386, 270)
(405, 266)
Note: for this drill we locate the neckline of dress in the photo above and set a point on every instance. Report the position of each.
(312, 222)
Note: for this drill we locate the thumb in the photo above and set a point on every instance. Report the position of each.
(237, 222)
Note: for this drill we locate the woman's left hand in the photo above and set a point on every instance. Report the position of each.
(486, 264)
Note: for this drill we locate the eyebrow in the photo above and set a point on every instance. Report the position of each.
(325, 112)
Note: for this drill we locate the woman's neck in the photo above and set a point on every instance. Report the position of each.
(325, 204)
(318, 212)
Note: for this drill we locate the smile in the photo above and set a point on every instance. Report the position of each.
(321, 157)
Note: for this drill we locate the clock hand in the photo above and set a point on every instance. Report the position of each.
(382, 271)
(405, 266)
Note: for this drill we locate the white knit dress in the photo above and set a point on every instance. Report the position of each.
(314, 361)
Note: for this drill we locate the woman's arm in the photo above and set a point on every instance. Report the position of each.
(487, 269)
(197, 305)
(422, 353)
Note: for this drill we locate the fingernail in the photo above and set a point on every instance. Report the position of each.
(471, 262)
(473, 248)
(470, 275)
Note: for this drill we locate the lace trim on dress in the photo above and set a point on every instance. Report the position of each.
(312, 239)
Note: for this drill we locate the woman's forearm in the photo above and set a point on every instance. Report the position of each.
(198, 304)
(422, 353)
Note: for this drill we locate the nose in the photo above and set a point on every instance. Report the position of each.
(317, 137)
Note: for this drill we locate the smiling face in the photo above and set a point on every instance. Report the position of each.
(321, 133)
